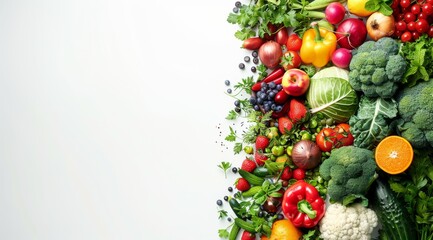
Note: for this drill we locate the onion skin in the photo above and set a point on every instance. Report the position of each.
(306, 154)
(270, 54)
(351, 33)
(379, 26)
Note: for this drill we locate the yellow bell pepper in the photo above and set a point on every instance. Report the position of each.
(317, 46)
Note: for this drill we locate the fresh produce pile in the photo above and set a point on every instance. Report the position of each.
(334, 121)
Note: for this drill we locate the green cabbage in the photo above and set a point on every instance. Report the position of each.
(334, 97)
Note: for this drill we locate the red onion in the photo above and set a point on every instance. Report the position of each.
(351, 33)
(306, 154)
(270, 54)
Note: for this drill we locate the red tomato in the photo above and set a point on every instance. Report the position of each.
(400, 25)
(281, 36)
(422, 26)
(409, 17)
(343, 135)
(430, 31)
(294, 42)
(406, 36)
(290, 59)
(415, 9)
(298, 174)
(326, 139)
(404, 3)
(411, 26)
(427, 8)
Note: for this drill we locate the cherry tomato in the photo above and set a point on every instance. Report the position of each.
(400, 25)
(397, 33)
(404, 3)
(427, 8)
(406, 36)
(395, 5)
(429, 1)
(430, 32)
(422, 26)
(290, 59)
(298, 174)
(326, 139)
(422, 15)
(415, 35)
(415, 9)
(294, 42)
(409, 17)
(411, 26)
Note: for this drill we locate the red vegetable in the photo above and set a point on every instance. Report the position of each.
(270, 54)
(281, 97)
(282, 36)
(335, 12)
(303, 205)
(252, 43)
(351, 33)
(341, 57)
(275, 74)
(306, 154)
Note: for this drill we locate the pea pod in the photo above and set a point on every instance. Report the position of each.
(251, 178)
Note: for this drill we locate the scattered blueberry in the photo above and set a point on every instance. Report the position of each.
(238, 4)
(230, 189)
(241, 65)
(229, 91)
(235, 10)
(255, 54)
(234, 169)
(237, 103)
(227, 82)
(226, 198)
(246, 59)
(219, 202)
(229, 219)
(237, 109)
(253, 69)
(255, 60)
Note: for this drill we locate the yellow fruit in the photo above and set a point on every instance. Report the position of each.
(285, 230)
(357, 8)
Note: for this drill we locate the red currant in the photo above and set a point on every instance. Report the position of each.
(400, 25)
(406, 37)
(409, 17)
(422, 26)
(415, 9)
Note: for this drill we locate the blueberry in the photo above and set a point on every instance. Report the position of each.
(259, 100)
(272, 85)
(235, 10)
(227, 82)
(229, 219)
(256, 107)
(253, 100)
(253, 69)
(219, 202)
(241, 65)
(256, 60)
(273, 107)
(237, 109)
(234, 169)
(226, 198)
(230, 189)
(279, 87)
(246, 58)
(229, 91)
(279, 108)
(238, 4)
(264, 86)
(255, 54)
(237, 103)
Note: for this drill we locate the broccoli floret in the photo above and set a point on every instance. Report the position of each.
(415, 109)
(387, 45)
(379, 66)
(349, 170)
(395, 68)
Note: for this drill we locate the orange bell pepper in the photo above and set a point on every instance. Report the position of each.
(284, 230)
(318, 44)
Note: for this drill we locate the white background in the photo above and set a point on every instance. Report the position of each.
(108, 118)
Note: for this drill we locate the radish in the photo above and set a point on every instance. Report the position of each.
(341, 57)
(351, 33)
(335, 12)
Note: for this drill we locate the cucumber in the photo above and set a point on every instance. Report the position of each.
(251, 178)
(252, 191)
(261, 172)
(234, 232)
(234, 204)
(392, 214)
(247, 226)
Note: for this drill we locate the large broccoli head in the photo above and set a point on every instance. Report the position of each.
(376, 68)
(415, 109)
(349, 170)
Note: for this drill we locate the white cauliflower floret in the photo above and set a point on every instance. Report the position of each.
(354, 222)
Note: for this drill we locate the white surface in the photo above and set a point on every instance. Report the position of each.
(108, 115)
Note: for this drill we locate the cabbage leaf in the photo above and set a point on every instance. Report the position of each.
(334, 97)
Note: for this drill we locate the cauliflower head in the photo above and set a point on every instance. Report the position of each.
(377, 68)
(354, 222)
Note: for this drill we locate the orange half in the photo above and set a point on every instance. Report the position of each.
(393, 154)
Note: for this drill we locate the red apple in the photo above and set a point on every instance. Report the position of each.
(295, 82)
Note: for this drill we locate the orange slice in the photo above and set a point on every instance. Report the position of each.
(393, 154)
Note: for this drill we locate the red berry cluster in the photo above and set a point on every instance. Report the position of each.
(412, 19)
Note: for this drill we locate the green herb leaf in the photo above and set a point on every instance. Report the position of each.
(237, 148)
(223, 233)
(222, 213)
(232, 115)
(225, 166)
(232, 135)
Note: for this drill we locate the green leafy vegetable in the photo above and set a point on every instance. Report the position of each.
(333, 97)
(371, 123)
(383, 6)
(419, 57)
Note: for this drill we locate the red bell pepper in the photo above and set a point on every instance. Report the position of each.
(303, 205)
